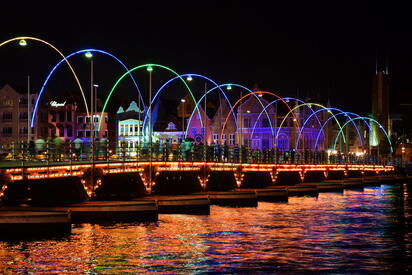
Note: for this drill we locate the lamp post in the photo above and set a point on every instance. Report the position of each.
(150, 70)
(89, 55)
(95, 109)
(183, 116)
(28, 111)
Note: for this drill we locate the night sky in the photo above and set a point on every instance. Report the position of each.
(310, 50)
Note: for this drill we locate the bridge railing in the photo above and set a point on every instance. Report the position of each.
(53, 151)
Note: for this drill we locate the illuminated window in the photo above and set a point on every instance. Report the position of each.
(215, 137)
(231, 139)
(194, 132)
(79, 119)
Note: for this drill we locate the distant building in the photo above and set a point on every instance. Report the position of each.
(15, 116)
(129, 127)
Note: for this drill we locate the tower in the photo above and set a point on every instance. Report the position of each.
(380, 105)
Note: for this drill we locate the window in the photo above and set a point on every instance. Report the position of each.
(194, 132)
(61, 131)
(87, 119)
(246, 123)
(79, 133)
(23, 101)
(7, 102)
(7, 116)
(96, 118)
(255, 143)
(224, 137)
(106, 119)
(265, 143)
(69, 131)
(23, 116)
(215, 137)
(53, 116)
(69, 116)
(202, 131)
(7, 131)
(231, 139)
(265, 123)
(87, 133)
(121, 130)
(61, 116)
(106, 133)
(283, 143)
(23, 131)
(43, 117)
(79, 120)
(136, 128)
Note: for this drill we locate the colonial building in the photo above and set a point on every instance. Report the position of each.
(16, 111)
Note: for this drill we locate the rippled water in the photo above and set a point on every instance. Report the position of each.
(354, 232)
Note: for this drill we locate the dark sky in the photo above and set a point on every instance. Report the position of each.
(324, 50)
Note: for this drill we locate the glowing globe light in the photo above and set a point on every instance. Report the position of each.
(149, 68)
(183, 100)
(88, 55)
(229, 87)
(189, 78)
(22, 43)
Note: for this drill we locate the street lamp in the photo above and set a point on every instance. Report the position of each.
(22, 43)
(183, 116)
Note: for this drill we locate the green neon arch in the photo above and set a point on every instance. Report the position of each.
(370, 119)
(139, 67)
(300, 105)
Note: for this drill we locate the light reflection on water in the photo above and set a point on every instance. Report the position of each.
(353, 232)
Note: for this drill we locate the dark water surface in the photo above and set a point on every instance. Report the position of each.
(355, 232)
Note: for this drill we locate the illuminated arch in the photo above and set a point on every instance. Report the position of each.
(196, 102)
(286, 100)
(224, 85)
(350, 113)
(254, 93)
(370, 119)
(300, 105)
(67, 57)
(61, 54)
(329, 109)
(136, 68)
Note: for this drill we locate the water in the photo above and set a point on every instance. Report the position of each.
(354, 233)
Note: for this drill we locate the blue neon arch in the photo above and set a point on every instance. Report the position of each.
(286, 100)
(328, 109)
(343, 113)
(63, 60)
